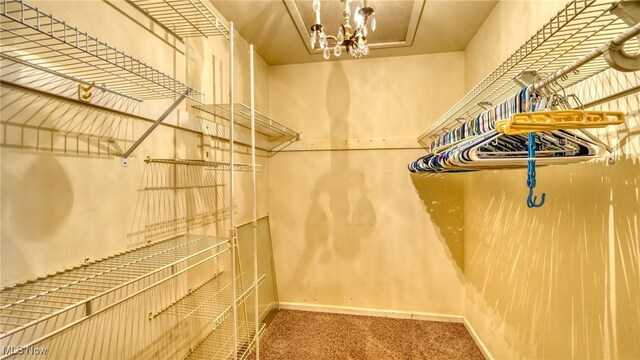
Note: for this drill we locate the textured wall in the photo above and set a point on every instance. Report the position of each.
(561, 281)
(350, 225)
(65, 197)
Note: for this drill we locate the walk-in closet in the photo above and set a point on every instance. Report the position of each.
(319, 179)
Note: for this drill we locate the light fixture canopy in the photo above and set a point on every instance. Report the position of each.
(355, 41)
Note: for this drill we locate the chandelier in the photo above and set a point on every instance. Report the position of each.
(355, 41)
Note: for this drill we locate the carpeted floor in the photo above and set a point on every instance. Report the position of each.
(302, 335)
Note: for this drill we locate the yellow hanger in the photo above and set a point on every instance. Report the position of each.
(557, 119)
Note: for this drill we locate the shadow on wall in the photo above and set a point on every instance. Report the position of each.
(443, 197)
(39, 202)
(341, 216)
(561, 281)
(33, 121)
(36, 204)
(176, 199)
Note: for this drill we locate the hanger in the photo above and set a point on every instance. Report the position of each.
(481, 142)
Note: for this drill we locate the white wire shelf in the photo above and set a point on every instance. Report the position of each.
(580, 27)
(212, 300)
(185, 18)
(218, 345)
(275, 131)
(37, 39)
(208, 165)
(23, 307)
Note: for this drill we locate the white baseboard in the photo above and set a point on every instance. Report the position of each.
(394, 314)
(476, 338)
(272, 306)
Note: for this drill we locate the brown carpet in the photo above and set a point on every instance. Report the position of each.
(304, 335)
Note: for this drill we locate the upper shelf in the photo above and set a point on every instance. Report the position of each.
(273, 130)
(185, 18)
(32, 37)
(577, 29)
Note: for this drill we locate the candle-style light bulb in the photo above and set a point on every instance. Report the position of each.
(358, 17)
(316, 10)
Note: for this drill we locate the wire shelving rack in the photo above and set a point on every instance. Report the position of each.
(275, 132)
(185, 18)
(213, 299)
(218, 345)
(35, 38)
(60, 303)
(208, 165)
(35, 308)
(581, 26)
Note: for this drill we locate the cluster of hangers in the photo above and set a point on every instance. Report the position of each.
(531, 126)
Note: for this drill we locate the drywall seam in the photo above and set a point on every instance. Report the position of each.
(477, 339)
(394, 314)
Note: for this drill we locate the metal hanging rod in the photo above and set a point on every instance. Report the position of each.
(263, 124)
(185, 18)
(576, 30)
(209, 165)
(30, 36)
(619, 40)
(23, 307)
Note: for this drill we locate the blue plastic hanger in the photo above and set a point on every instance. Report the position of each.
(532, 201)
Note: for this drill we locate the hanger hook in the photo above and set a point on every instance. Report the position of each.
(532, 201)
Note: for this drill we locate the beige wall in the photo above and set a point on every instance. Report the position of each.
(349, 227)
(68, 200)
(65, 197)
(560, 281)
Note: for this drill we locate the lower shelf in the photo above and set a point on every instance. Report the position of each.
(218, 344)
(31, 309)
(212, 300)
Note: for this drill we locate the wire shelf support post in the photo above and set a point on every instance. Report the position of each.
(254, 226)
(232, 229)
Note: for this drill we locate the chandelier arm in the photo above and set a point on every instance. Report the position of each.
(353, 40)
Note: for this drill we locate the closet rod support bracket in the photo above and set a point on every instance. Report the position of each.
(526, 78)
(486, 105)
(124, 161)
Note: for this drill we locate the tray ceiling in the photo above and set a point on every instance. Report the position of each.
(279, 28)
